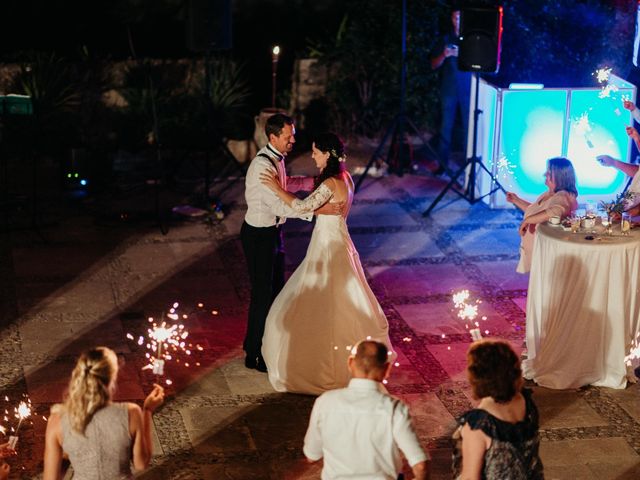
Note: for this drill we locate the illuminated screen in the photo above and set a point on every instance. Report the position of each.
(532, 131)
(597, 127)
(531, 126)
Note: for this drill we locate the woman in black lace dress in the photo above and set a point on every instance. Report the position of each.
(499, 439)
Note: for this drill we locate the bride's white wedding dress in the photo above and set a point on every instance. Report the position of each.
(325, 308)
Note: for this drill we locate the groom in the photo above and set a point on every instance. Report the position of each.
(261, 234)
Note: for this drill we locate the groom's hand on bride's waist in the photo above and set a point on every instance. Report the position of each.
(331, 209)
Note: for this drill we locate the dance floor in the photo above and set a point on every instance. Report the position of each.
(91, 283)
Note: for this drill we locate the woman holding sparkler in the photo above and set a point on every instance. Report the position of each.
(558, 201)
(326, 307)
(498, 439)
(101, 437)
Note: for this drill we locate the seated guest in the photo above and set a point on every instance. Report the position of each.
(101, 437)
(558, 201)
(360, 430)
(499, 439)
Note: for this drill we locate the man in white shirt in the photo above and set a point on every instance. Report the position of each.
(360, 430)
(260, 234)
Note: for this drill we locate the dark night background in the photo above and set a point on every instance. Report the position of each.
(555, 42)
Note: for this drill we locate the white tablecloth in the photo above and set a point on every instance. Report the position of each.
(583, 308)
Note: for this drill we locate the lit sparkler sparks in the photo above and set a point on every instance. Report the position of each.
(607, 91)
(506, 169)
(460, 298)
(166, 341)
(583, 127)
(603, 74)
(468, 311)
(22, 411)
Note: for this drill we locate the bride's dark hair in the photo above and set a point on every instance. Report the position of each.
(330, 143)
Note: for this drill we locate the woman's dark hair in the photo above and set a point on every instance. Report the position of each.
(563, 174)
(494, 370)
(330, 143)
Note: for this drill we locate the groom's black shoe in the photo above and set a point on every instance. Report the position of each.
(250, 361)
(260, 365)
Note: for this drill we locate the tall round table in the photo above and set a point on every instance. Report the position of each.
(583, 308)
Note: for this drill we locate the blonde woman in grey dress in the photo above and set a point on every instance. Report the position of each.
(101, 437)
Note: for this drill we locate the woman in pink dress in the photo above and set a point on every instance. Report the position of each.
(558, 201)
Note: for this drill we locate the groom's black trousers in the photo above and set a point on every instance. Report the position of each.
(265, 261)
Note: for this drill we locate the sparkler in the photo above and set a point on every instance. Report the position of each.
(468, 312)
(506, 169)
(583, 127)
(609, 90)
(21, 412)
(166, 341)
(603, 74)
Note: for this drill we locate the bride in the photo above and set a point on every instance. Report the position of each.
(326, 307)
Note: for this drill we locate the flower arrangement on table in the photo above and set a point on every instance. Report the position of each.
(616, 207)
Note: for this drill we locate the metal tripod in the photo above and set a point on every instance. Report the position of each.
(472, 163)
(397, 129)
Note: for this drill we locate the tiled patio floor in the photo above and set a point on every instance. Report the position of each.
(91, 284)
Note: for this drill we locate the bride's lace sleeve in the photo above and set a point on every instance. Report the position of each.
(315, 200)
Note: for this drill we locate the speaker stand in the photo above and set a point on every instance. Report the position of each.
(472, 163)
(396, 129)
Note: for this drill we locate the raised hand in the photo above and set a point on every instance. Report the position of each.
(629, 105)
(451, 51)
(6, 450)
(605, 160)
(512, 197)
(154, 399)
(524, 226)
(633, 133)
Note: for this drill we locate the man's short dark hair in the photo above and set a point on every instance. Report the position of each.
(371, 356)
(275, 124)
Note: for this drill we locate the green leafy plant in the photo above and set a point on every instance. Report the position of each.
(363, 56)
(229, 89)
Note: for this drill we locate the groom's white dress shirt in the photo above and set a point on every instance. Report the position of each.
(263, 206)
